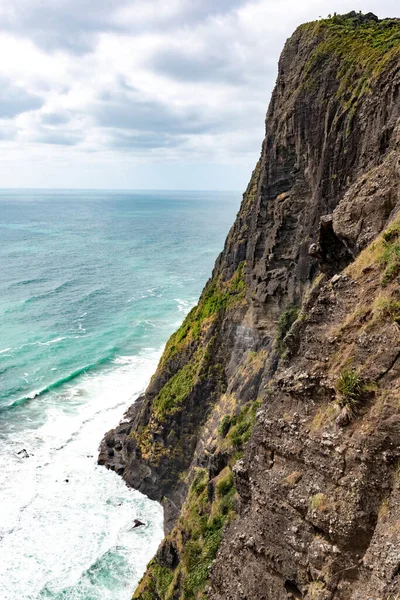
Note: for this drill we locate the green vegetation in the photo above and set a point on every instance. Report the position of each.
(363, 45)
(319, 502)
(390, 258)
(198, 535)
(225, 484)
(175, 391)
(383, 252)
(350, 389)
(225, 425)
(159, 583)
(208, 509)
(199, 363)
(242, 424)
(386, 307)
(286, 320)
(204, 525)
(217, 297)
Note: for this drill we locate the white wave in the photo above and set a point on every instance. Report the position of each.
(184, 306)
(5, 350)
(53, 530)
(48, 343)
(54, 341)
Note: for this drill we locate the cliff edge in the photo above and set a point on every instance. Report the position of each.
(271, 428)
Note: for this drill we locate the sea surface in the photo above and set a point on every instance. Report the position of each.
(91, 286)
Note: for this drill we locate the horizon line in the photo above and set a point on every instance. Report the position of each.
(60, 189)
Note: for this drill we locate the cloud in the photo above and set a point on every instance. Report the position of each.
(58, 138)
(55, 118)
(15, 100)
(132, 111)
(145, 81)
(73, 24)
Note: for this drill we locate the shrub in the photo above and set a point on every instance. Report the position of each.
(224, 426)
(242, 425)
(199, 482)
(175, 391)
(349, 389)
(163, 577)
(225, 484)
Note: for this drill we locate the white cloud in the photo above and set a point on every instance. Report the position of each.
(104, 86)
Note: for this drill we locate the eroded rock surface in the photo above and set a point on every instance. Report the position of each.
(270, 430)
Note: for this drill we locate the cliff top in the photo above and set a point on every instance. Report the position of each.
(362, 40)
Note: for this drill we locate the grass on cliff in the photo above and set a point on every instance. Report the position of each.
(197, 535)
(171, 398)
(286, 320)
(386, 308)
(216, 298)
(237, 429)
(350, 390)
(363, 45)
(384, 252)
(199, 363)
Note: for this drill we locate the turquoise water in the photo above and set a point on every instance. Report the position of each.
(92, 284)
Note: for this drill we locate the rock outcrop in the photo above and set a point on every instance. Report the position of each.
(271, 428)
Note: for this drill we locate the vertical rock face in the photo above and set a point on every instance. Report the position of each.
(270, 430)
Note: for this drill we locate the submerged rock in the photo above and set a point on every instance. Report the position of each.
(23, 453)
(137, 523)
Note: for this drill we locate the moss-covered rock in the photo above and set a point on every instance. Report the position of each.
(196, 537)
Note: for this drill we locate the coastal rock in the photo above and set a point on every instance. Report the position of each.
(270, 430)
(138, 523)
(23, 453)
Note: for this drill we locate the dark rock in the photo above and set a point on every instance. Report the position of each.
(137, 523)
(23, 453)
(167, 555)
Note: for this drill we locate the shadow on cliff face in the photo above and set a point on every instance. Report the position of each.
(330, 251)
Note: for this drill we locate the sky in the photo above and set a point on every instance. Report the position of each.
(142, 94)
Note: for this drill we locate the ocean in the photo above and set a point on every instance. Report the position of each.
(92, 283)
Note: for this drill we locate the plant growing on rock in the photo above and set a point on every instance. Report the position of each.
(201, 525)
(391, 253)
(242, 425)
(286, 320)
(224, 426)
(319, 502)
(386, 307)
(350, 390)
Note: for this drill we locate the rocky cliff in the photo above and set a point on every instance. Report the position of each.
(271, 428)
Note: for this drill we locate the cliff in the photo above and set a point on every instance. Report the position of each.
(270, 430)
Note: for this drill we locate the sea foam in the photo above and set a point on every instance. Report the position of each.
(65, 522)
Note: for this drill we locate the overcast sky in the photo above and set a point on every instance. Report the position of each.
(159, 94)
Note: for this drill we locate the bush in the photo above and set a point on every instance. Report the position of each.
(225, 484)
(242, 425)
(224, 426)
(350, 389)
